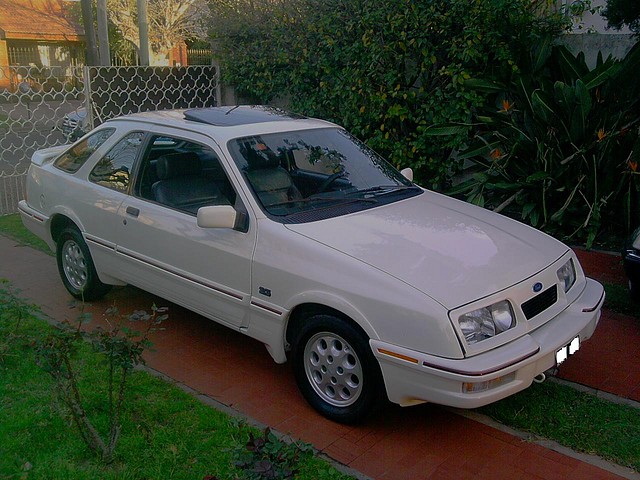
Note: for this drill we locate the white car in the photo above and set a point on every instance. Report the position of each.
(75, 124)
(293, 232)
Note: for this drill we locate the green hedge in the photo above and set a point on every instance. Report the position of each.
(385, 70)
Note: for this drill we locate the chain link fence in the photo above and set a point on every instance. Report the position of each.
(45, 107)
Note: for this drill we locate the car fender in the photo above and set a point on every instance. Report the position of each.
(333, 301)
(65, 212)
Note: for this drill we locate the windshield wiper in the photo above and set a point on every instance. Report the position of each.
(321, 199)
(381, 190)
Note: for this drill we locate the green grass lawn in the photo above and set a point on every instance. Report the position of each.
(11, 226)
(574, 419)
(167, 434)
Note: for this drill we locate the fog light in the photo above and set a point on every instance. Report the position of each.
(475, 387)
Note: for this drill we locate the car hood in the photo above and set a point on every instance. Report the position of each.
(450, 250)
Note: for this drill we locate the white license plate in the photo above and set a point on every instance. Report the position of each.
(570, 349)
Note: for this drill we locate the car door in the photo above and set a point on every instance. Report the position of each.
(98, 200)
(206, 270)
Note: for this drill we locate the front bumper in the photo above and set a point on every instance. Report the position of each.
(413, 377)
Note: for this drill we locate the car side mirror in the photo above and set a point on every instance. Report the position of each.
(217, 216)
(407, 173)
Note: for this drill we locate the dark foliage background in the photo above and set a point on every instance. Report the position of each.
(385, 70)
(407, 78)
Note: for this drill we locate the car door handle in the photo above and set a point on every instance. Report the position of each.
(134, 212)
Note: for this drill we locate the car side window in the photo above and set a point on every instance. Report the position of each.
(183, 175)
(114, 169)
(71, 160)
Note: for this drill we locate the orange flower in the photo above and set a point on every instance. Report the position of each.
(601, 134)
(507, 106)
(633, 165)
(496, 154)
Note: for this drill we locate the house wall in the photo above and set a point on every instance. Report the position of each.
(5, 81)
(616, 45)
(591, 35)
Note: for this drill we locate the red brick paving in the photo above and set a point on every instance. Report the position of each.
(604, 267)
(424, 442)
(610, 360)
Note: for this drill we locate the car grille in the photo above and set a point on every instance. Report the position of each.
(540, 303)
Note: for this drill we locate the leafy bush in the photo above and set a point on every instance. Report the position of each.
(122, 350)
(623, 12)
(384, 69)
(266, 457)
(559, 146)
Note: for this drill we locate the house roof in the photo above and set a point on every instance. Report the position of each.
(39, 20)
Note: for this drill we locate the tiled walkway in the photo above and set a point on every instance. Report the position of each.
(610, 360)
(424, 442)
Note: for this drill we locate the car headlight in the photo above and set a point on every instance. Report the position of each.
(486, 322)
(567, 275)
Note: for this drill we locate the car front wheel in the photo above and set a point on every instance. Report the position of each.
(76, 267)
(335, 369)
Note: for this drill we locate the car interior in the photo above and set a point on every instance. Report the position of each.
(184, 176)
(288, 175)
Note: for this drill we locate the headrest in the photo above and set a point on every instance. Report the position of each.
(178, 165)
(260, 159)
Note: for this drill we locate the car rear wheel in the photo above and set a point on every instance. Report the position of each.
(76, 267)
(335, 369)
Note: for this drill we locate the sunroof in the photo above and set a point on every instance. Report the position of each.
(239, 115)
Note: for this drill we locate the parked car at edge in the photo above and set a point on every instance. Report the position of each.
(75, 124)
(293, 232)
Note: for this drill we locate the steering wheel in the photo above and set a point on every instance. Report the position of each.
(330, 179)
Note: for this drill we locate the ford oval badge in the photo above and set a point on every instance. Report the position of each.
(537, 287)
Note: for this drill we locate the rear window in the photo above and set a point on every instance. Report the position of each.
(71, 160)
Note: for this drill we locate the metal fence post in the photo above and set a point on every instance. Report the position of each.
(87, 95)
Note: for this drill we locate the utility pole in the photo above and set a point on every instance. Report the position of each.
(143, 28)
(89, 32)
(103, 33)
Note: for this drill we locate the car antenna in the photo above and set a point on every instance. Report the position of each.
(231, 110)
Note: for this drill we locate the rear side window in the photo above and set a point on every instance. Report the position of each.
(71, 160)
(114, 169)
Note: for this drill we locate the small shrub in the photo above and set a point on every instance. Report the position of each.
(266, 457)
(121, 349)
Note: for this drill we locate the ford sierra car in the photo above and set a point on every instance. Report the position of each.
(290, 230)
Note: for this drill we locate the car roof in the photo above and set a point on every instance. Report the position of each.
(239, 115)
(229, 122)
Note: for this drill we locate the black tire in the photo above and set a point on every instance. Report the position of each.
(76, 267)
(335, 369)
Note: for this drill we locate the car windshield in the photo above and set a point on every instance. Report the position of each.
(311, 174)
